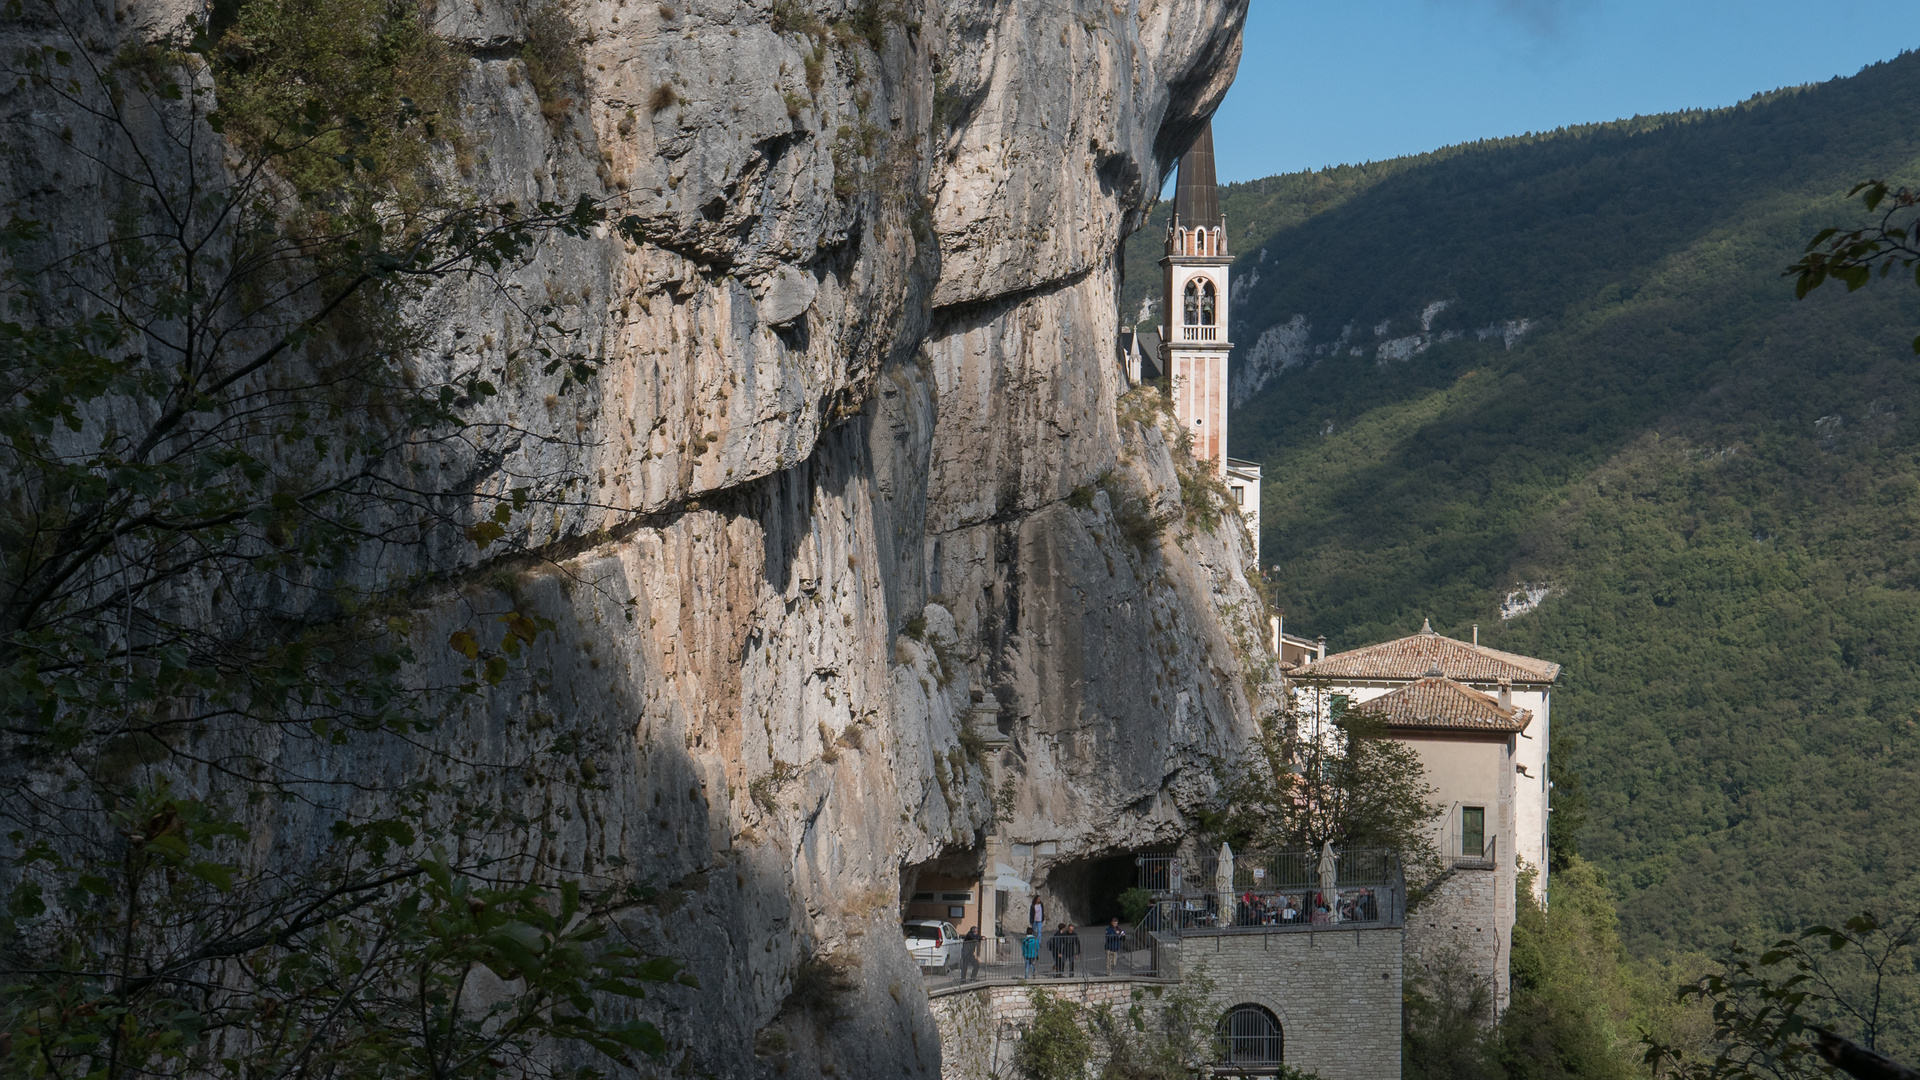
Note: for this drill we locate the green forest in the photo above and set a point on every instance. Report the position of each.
(1716, 485)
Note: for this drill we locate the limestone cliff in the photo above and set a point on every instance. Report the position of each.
(854, 452)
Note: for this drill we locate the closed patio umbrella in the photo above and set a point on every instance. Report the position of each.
(1329, 878)
(1223, 883)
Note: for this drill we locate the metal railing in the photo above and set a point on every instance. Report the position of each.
(1460, 850)
(1139, 957)
(1273, 891)
(1249, 1035)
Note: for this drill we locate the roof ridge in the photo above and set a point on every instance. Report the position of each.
(1416, 654)
(1437, 702)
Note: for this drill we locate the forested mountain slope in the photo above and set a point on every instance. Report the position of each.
(1571, 362)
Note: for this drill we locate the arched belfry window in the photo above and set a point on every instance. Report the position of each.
(1181, 248)
(1200, 299)
(1250, 1035)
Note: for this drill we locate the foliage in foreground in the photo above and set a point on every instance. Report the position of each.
(212, 404)
(1054, 1045)
(1773, 1010)
(1891, 241)
(171, 963)
(1578, 1001)
(1582, 1009)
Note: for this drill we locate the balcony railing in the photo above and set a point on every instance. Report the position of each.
(1273, 891)
(1199, 333)
(1471, 852)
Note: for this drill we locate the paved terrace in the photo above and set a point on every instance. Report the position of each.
(1259, 893)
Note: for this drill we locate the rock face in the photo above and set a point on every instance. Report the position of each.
(854, 452)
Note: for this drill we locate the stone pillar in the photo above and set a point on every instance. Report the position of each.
(983, 716)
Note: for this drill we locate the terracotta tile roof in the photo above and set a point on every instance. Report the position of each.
(1427, 653)
(1441, 704)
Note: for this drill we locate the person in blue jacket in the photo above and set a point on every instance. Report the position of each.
(1030, 950)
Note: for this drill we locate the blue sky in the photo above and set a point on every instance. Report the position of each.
(1325, 82)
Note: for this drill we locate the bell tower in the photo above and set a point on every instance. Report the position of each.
(1195, 342)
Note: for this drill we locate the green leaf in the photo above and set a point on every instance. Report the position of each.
(465, 644)
(521, 627)
(215, 874)
(26, 901)
(484, 533)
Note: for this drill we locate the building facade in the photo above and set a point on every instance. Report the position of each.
(1478, 718)
(1349, 679)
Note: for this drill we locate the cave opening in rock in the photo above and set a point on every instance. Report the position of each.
(1091, 888)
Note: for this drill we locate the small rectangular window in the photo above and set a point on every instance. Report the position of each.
(1338, 707)
(1239, 495)
(1473, 831)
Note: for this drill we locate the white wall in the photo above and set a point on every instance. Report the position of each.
(1529, 822)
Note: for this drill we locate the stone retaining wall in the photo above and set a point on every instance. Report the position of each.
(979, 1026)
(1336, 994)
(1467, 919)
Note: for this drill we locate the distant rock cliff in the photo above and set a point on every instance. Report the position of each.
(853, 452)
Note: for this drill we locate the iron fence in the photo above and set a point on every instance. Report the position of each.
(1470, 850)
(1082, 955)
(1274, 891)
(1250, 1036)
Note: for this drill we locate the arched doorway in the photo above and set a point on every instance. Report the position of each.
(1250, 1037)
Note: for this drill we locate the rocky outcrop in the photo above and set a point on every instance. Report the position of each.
(853, 451)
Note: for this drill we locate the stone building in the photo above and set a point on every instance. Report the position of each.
(1322, 995)
(1195, 289)
(1329, 685)
(1243, 481)
(1478, 718)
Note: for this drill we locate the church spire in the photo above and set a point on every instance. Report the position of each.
(1197, 301)
(1196, 199)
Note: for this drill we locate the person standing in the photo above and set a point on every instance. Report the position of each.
(1039, 917)
(1057, 945)
(1116, 943)
(1072, 948)
(1030, 950)
(970, 955)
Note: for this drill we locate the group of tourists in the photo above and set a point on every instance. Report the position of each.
(1357, 905)
(1063, 945)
